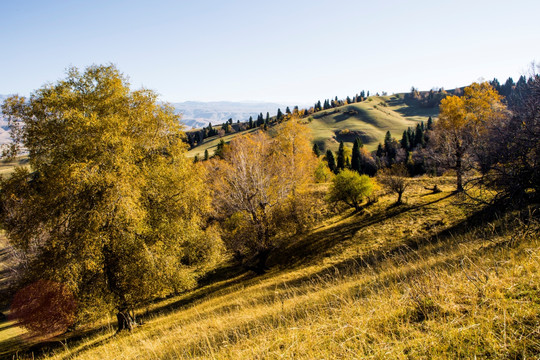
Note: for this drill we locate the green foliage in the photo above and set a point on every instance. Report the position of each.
(350, 188)
(331, 160)
(316, 150)
(340, 157)
(112, 205)
(356, 161)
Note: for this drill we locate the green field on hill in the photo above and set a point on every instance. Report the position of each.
(369, 120)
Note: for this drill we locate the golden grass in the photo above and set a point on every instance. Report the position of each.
(419, 281)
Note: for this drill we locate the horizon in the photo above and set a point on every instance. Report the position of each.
(281, 52)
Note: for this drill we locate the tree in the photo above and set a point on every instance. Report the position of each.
(340, 157)
(350, 188)
(258, 188)
(112, 208)
(330, 159)
(356, 161)
(512, 148)
(394, 179)
(316, 150)
(206, 155)
(462, 120)
(279, 115)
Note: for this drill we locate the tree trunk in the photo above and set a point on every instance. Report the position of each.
(260, 264)
(125, 320)
(400, 193)
(459, 173)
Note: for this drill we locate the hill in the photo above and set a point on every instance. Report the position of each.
(369, 120)
(196, 114)
(434, 278)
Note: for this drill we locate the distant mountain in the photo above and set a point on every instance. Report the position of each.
(197, 114)
(4, 133)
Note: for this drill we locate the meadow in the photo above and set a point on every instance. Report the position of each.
(435, 278)
(368, 120)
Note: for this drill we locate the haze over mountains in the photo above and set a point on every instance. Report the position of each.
(196, 114)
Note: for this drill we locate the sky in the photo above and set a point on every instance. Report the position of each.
(291, 51)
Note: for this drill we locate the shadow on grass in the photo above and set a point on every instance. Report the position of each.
(310, 248)
(353, 265)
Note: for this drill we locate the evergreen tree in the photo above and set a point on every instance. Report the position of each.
(405, 141)
(430, 123)
(419, 137)
(251, 122)
(356, 156)
(279, 115)
(341, 157)
(267, 118)
(219, 149)
(288, 111)
(206, 155)
(380, 151)
(330, 159)
(316, 150)
(390, 147)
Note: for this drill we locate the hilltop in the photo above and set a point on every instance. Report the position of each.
(368, 120)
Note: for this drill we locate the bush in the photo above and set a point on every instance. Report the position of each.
(350, 188)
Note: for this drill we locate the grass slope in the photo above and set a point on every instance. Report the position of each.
(433, 278)
(369, 120)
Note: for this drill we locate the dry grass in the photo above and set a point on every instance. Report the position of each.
(433, 278)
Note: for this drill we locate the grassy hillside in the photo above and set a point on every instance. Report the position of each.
(7, 167)
(369, 120)
(433, 278)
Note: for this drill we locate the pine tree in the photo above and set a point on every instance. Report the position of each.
(356, 160)
(405, 141)
(330, 159)
(419, 137)
(251, 122)
(341, 157)
(206, 156)
(430, 123)
(316, 150)
(279, 114)
(380, 151)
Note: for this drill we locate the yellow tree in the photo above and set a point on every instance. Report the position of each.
(112, 208)
(256, 189)
(462, 122)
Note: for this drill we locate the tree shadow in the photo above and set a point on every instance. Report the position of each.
(315, 245)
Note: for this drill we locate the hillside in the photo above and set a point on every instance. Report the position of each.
(369, 120)
(434, 278)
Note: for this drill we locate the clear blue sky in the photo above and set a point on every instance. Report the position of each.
(290, 51)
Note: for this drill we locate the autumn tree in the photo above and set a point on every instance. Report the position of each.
(350, 188)
(394, 179)
(462, 121)
(513, 154)
(258, 190)
(111, 208)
